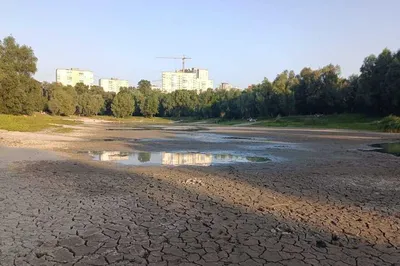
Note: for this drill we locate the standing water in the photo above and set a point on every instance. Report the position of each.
(173, 158)
(391, 148)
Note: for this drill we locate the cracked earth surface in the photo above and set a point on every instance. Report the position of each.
(335, 207)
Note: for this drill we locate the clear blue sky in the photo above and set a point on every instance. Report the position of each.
(238, 41)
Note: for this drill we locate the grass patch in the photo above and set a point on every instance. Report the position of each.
(34, 123)
(135, 119)
(390, 123)
(188, 119)
(339, 121)
(342, 121)
(64, 130)
(210, 121)
(230, 122)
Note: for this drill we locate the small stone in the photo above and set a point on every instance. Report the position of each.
(321, 244)
(335, 237)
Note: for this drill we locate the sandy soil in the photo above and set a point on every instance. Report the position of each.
(327, 203)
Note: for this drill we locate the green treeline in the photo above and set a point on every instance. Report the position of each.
(376, 91)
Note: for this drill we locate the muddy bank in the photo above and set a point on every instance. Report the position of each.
(329, 203)
(9, 155)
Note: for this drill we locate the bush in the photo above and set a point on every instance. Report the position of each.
(390, 123)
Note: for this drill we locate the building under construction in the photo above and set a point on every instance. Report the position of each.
(185, 79)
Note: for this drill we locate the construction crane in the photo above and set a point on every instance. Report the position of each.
(183, 58)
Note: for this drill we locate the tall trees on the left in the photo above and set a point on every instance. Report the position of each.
(19, 92)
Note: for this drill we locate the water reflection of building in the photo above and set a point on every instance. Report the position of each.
(199, 159)
(169, 158)
(112, 156)
(224, 157)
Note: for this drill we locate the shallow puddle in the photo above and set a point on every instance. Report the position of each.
(390, 148)
(213, 138)
(162, 128)
(174, 158)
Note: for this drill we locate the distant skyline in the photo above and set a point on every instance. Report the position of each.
(238, 41)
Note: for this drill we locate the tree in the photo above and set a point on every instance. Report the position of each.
(90, 101)
(144, 86)
(149, 107)
(81, 88)
(183, 103)
(283, 92)
(348, 94)
(19, 93)
(206, 99)
(16, 58)
(375, 92)
(63, 101)
(89, 104)
(139, 100)
(123, 104)
(35, 100)
(318, 91)
(365, 93)
(96, 90)
(392, 81)
(263, 95)
(166, 104)
(108, 98)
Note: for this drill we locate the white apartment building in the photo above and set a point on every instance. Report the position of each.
(190, 79)
(113, 84)
(72, 76)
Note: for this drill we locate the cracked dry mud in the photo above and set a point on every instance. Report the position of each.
(339, 206)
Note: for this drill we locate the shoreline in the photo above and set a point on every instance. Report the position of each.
(329, 203)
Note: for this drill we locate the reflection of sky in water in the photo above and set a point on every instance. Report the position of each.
(249, 143)
(218, 138)
(176, 158)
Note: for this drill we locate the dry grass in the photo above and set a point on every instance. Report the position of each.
(34, 123)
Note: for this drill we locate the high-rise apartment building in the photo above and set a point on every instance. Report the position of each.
(113, 84)
(72, 76)
(189, 79)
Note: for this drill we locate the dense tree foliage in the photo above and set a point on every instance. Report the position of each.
(144, 86)
(19, 92)
(90, 101)
(149, 106)
(123, 104)
(378, 90)
(62, 100)
(375, 91)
